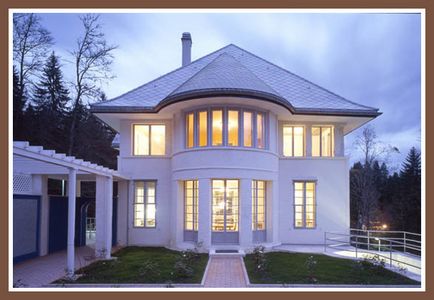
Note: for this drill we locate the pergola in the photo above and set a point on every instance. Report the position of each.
(34, 160)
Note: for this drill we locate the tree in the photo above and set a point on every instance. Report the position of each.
(51, 94)
(18, 107)
(30, 44)
(411, 189)
(92, 62)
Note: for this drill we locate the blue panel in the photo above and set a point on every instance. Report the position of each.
(115, 222)
(38, 212)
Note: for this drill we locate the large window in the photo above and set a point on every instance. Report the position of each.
(293, 140)
(304, 204)
(225, 205)
(322, 141)
(258, 205)
(191, 205)
(225, 127)
(149, 139)
(144, 204)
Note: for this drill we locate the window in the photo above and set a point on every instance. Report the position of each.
(225, 127)
(225, 196)
(304, 204)
(293, 140)
(149, 139)
(144, 204)
(322, 141)
(258, 205)
(190, 130)
(203, 131)
(191, 208)
(248, 128)
(260, 130)
(233, 128)
(217, 127)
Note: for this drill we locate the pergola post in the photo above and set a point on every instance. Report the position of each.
(72, 177)
(109, 217)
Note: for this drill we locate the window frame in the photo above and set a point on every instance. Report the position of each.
(292, 140)
(225, 116)
(195, 200)
(315, 205)
(150, 139)
(145, 204)
(255, 205)
(332, 140)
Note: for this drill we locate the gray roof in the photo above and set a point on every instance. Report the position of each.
(234, 71)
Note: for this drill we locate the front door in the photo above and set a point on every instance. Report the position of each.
(225, 220)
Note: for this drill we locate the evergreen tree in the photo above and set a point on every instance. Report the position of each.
(19, 102)
(51, 94)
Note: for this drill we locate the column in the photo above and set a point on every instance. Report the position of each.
(109, 216)
(100, 215)
(246, 234)
(177, 213)
(272, 211)
(204, 232)
(71, 221)
(308, 143)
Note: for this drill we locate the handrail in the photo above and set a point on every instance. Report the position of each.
(389, 245)
(386, 231)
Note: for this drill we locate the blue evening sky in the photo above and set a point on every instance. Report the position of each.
(372, 59)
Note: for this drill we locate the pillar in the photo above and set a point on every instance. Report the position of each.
(204, 232)
(245, 213)
(72, 177)
(109, 216)
(100, 215)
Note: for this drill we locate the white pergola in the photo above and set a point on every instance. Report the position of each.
(34, 160)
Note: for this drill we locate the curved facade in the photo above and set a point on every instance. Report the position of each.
(231, 151)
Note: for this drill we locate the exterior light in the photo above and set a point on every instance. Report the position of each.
(384, 226)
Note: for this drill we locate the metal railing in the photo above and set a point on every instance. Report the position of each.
(384, 244)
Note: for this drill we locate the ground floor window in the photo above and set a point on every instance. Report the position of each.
(191, 205)
(304, 204)
(144, 204)
(258, 205)
(225, 205)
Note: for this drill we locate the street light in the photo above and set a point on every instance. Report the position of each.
(384, 226)
(379, 243)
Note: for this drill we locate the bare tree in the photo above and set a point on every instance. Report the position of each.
(31, 42)
(92, 60)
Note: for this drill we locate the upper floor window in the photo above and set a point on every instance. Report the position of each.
(293, 140)
(322, 141)
(149, 139)
(225, 127)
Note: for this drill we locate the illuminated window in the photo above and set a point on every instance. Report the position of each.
(191, 207)
(259, 130)
(144, 204)
(149, 139)
(304, 204)
(233, 128)
(190, 130)
(258, 205)
(217, 127)
(248, 129)
(293, 141)
(322, 141)
(203, 128)
(225, 196)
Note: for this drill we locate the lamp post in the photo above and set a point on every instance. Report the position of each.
(379, 244)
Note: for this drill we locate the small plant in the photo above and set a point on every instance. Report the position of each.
(311, 264)
(260, 260)
(182, 269)
(402, 269)
(149, 268)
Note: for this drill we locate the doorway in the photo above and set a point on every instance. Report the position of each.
(225, 211)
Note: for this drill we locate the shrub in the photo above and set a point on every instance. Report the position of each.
(260, 260)
(311, 265)
(182, 269)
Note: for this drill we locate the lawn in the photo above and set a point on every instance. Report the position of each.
(291, 268)
(145, 265)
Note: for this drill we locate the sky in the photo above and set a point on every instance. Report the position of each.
(369, 58)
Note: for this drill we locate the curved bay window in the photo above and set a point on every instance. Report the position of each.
(231, 127)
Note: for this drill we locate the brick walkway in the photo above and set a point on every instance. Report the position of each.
(225, 271)
(43, 270)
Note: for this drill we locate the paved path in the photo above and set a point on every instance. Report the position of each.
(225, 271)
(43, 270)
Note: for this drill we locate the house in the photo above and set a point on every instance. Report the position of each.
(231, 150)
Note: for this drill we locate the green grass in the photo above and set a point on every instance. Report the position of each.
(129, 267)
(290, 268)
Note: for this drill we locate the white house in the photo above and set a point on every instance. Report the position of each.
(232, 151)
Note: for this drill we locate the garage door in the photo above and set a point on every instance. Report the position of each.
(26, 226)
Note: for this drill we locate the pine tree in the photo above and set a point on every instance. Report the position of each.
(51, 94)
(19, 102)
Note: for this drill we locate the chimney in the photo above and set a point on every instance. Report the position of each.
(186, 48)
